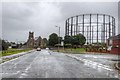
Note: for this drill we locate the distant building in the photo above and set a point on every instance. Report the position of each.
(37, 42)
(34, 42)
(30, 41)
(95, 27)
(114, 42)
(43, 44)
(14, 46)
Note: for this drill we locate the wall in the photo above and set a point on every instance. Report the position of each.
(115, 47)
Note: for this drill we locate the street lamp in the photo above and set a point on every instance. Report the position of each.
(58, 37)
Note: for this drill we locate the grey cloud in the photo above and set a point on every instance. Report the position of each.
(71, 9)
(22, 17)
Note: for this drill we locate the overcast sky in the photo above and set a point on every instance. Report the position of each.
(18, 18)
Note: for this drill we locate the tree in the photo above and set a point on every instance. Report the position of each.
(53, 39)
(67, 39)
(0, 44)
(4, 45)
(78, 39)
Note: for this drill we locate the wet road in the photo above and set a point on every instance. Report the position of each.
(47, 64)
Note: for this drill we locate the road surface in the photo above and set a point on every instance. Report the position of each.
(48, 64)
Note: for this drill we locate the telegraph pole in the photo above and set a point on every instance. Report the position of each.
(58, 37)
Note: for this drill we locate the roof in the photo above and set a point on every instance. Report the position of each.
(115, 37)
(36, 38)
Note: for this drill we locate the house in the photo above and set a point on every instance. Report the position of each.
(14, 46)
(114, 42)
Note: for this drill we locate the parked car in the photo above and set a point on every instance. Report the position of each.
(38, 49)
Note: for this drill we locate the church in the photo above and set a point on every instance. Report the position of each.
(34, 42)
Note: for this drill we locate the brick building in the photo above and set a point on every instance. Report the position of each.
(114, 42)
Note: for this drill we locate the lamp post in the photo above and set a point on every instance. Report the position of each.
(58, 37)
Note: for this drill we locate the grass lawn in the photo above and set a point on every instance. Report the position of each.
(72, 50)
(13, 51)
(77, 50)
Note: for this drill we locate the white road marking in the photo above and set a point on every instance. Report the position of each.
(12, 73)
(26, 70)
(92, 63)
(24, 74)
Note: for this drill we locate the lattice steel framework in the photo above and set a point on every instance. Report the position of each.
(95, 27)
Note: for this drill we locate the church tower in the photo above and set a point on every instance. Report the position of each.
(30, 42)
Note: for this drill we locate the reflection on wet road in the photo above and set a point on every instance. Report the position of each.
(103, 68)
(48, 64)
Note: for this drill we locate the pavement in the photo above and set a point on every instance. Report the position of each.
(48, 64)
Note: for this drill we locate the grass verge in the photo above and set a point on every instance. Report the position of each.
(10, 52)
(13, 51)
(72, 50)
